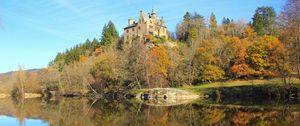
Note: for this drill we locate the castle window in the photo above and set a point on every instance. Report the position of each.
(150, 21)
(127, 30)
(132, 29)
(151, 26)
(139, 27)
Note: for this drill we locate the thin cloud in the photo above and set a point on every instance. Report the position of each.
(68, 5)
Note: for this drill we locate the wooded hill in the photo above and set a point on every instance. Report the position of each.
(267, 47)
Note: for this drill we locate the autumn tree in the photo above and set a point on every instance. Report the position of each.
(50, 80)
(266, 55)
(290, 34)
(177, 68)
(76, 79)
(108, 71)
(19, 85)
(232, 29)
(239, 68)
(213, 24)
(206, 62)
(136, 63)
(158, 62)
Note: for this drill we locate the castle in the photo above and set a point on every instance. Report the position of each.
(148, 24)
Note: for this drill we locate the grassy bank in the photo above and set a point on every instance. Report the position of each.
(238, 83)
(249, 91)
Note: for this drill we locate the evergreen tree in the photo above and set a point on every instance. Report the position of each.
(264, 20)
(213, 21)
(187, 17)
(258, 24)
(213, 24)
(109, 34)
(226, 21)
(95, 44)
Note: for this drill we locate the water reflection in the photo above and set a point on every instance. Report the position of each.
(84, 112)
(11, 121)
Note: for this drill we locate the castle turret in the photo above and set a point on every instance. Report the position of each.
(131, 22)
(142, 16)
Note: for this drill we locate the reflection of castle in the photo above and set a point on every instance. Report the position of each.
(147, 24)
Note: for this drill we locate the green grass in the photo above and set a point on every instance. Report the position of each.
(236, 83)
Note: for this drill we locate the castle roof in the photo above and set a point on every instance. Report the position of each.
(131, 26)
(145, 17)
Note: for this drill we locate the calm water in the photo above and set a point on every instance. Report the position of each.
(84, 112)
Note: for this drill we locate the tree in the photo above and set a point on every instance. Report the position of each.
(239, 68)
(226, 21)
(213, 24)
(206, 62)
(136, 63)
(158, 62)
(249, 34)
(190, 27)
(213, 21)
(187, 18)
(109, 34)
(264, 21)
(19, 85)
(266, 55)
(289, 21)
(258, 24)
(108, 71)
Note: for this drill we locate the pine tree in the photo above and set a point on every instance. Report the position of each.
(264, 20)
(213, 21)
(213, 24)
(187, 17)
(258, 24)
(109, 34)
(226, 21)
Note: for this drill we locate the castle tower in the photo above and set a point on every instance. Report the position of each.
(148, 24)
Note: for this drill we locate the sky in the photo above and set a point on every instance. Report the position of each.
(32, 32)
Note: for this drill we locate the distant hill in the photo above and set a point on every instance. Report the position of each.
(12, 72)
(5, 76)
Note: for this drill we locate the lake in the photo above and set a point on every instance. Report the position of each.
(85, 112)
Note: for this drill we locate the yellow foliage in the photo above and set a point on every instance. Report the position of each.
(151, 38)
(158, 54)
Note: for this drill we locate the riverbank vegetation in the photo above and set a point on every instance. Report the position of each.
(200, 51)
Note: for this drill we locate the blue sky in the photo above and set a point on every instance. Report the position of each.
(33, 31)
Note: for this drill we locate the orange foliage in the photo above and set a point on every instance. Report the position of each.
(242, 118)
(98, 51)
(239, 67)
(83, 58)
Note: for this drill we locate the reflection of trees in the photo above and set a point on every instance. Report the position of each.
(241, 118)
(83, 112)
(211, 115)
(20, 113)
